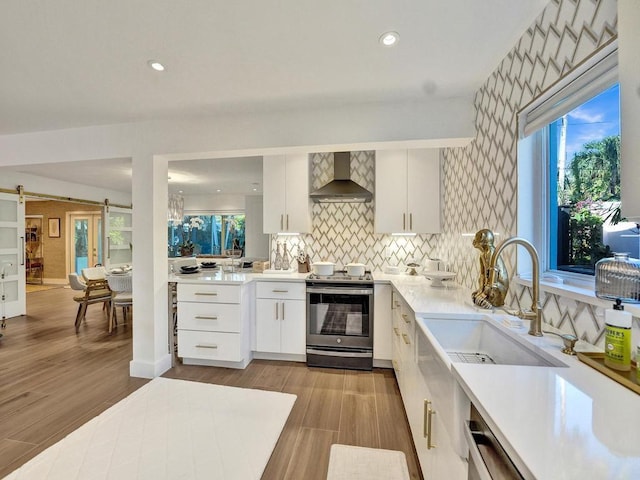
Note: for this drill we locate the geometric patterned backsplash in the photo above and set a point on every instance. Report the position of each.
(480, 180)
(343, 232)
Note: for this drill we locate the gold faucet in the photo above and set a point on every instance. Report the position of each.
(535, 314)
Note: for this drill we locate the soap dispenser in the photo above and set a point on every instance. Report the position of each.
(617, 343)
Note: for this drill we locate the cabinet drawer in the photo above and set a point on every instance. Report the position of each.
(209, 345)
(211, 317)
(209, 293)
(284, 290)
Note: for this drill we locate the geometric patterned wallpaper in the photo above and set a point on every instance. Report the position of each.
(480, 180)
(343, 232)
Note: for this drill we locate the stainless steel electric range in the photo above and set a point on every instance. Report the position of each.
(340, 321)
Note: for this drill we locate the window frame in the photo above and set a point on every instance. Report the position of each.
(590, 78)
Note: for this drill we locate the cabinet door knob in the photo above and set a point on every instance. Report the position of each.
(406, 339)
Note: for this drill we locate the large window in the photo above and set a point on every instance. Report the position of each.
(570, 145)
(584, 184)
(208, 234)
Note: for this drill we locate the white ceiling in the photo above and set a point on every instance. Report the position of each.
(73, 63)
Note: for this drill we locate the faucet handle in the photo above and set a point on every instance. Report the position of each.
(569, 343)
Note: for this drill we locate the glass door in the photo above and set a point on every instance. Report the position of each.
(119, 236)
(12, 257)
(86, 240)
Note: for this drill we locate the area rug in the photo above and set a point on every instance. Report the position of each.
(347, 462)
(171, 429)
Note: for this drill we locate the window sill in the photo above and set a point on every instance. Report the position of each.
(576, 292)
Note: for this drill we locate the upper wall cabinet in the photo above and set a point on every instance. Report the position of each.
(286, 203)
(407, 191)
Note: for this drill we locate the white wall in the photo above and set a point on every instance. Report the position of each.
(36, 184)
(219, 202)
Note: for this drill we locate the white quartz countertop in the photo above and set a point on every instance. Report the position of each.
(216, 275)
(555, 422)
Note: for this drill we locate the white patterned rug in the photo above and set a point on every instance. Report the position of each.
(171, 429)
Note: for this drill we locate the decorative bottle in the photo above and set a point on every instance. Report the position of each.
(618, 277)
(277, 264)
(285, 258)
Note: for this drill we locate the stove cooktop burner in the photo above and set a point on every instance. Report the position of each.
(342, 277)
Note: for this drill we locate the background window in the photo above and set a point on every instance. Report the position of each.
(206, 235)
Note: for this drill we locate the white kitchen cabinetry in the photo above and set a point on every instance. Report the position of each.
(407, 191)
(286, 203)
(213, 325)
(382, 325)
(426, 412)
(281, 317)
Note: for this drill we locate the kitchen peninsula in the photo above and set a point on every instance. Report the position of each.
(554, 422)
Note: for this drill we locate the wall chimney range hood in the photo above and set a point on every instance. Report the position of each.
(341, 189)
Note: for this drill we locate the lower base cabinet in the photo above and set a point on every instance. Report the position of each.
(281, 314)
(434, 446)
(213, 324)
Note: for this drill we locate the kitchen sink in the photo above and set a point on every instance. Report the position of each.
(480, 341)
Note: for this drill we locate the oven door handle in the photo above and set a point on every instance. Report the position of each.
(346, 291)
(341, 353)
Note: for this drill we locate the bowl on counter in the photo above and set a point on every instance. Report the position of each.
(437, 277)
(189, 268)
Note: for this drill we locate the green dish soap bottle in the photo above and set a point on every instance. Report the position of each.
(617, 342)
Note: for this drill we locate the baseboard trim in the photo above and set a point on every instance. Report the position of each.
(150, 370)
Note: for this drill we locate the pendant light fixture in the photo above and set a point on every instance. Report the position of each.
(175, 211)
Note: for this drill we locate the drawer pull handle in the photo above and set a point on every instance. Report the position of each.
(406, 339)
(396, 331)
(280, 291)
(208, 294)
(204, 317)
(406, 318)
(395, 365)
(425, 417)
(207, 346)
(430, 414)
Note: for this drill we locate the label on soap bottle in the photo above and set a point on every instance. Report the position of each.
(617, 348)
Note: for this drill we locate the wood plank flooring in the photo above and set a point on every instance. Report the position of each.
(53, 380)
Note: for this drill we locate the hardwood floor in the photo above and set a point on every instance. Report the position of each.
(52, 381)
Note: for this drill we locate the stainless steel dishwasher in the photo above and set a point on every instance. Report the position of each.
(487, 458)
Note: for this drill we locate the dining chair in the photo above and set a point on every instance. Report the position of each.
(93, 291)
(121, 296)
(94, 273)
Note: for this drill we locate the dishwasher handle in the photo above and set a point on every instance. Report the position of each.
(487, 456)
(474, 453)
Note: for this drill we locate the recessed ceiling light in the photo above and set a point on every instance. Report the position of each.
(157, 66)
(389, 39)
(218, 190)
